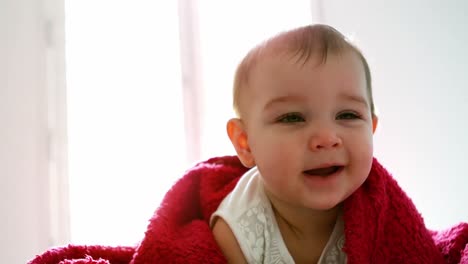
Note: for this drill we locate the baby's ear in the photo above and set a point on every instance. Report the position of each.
(375, 121)
(238, 136)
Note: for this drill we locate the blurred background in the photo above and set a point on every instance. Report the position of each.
(104, 104)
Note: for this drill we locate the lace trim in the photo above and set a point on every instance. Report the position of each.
(335, 255)
(257, 225)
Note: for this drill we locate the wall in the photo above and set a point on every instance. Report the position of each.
(23, 132)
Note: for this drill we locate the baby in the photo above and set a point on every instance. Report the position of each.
(305, 124)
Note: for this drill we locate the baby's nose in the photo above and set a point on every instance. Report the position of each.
(324, 139)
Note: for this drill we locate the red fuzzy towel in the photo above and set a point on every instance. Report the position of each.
(381, 225)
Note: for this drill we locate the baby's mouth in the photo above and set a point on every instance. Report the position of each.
(323, 171)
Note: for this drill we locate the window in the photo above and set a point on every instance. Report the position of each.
(125, 115)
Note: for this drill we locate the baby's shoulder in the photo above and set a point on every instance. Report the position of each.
(227, 242)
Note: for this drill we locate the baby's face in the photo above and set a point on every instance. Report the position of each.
(309, 128)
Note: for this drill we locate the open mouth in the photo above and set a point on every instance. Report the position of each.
(323, 171)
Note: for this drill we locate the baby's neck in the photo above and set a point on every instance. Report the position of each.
(305, 223)
(304, 231)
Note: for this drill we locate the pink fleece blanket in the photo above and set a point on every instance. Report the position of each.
(381, 225)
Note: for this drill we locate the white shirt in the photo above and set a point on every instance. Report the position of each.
(248, 212)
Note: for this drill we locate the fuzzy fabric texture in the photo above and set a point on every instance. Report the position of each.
(382, 225)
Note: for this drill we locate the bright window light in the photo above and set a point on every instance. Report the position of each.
(126, 129)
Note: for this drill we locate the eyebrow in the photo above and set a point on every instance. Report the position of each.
(284, 99)
(355, 98)
(295, 98)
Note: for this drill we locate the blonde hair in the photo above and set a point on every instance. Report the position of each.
(302, 43)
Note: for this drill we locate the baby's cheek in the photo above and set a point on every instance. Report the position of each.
(362, 143)
(275, 160)
(365, 159)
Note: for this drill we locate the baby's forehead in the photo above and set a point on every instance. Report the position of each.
(281, 45)
(300, 46)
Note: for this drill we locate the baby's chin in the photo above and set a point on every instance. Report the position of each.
(325, 204)
(324, 207)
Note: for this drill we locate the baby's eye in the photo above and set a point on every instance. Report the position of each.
(291, 118)
(348, 115)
